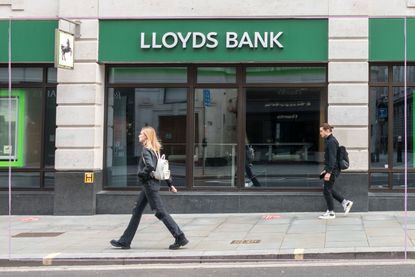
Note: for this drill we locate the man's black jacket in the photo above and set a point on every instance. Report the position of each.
(330, 155)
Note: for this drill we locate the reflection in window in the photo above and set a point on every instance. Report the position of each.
(398, 127)
(124, 75)
(282, 125)
(379, 115)
(22, 75)
(399, 74)
(215, 137)
(378, 73)
(129, 109)
(52, 75)
(379, 180)
(50, 128)
(221, 75)
(398, 180)
(286, 75)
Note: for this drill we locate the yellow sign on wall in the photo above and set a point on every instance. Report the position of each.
(89, 178)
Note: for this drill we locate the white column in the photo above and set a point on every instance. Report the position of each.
(80, 105)
(348, 109)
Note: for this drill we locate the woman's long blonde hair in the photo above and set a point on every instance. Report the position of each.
(152, 141)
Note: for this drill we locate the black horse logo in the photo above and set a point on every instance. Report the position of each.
(66, 49)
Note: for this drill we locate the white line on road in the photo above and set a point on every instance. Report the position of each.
(47, 260)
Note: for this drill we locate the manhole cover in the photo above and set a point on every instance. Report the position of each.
(38, 235)
(246, 241)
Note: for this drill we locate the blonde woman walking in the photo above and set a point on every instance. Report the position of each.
(150, 194)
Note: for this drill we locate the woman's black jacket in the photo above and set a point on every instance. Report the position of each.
(146, 165)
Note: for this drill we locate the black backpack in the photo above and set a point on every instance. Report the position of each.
(343, 158)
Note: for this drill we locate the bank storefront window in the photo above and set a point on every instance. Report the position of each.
(209, 120)
(31, 150)
(387, 132)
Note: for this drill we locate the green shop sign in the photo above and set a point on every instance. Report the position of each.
(222, 40)
(387, 39)
(31, 40)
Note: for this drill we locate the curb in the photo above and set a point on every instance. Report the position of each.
(204, 259)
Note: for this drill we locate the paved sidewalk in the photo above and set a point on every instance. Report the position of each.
(85, 239)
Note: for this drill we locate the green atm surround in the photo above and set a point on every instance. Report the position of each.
(20, 95)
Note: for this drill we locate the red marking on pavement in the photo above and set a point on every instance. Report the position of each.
(28, 219)
(271, 216)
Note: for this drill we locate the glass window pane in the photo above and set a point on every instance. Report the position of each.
(50, 128)
(411, 74)
(379, 180)
(215, 137)
(33, 127)
(398, 127)
(286, 75)
(220, 75)
(399, 73)
(123, 75)
(21, 75)
(378, 117)
(378, 73)
(282, 125)
(20, 180)
(130, 109)
(52, 75)
(399, 180)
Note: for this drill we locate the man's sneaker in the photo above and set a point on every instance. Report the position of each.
(327, 215)
(347, 206)
(180, 241)
(118, 244)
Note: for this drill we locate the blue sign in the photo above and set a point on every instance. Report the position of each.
(206, 97)
(383, 113)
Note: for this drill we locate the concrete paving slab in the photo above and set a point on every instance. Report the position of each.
(332, 236)
(344, 244)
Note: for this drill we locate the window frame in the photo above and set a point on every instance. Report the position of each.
(391, 170)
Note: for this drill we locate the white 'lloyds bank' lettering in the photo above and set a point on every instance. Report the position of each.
(197, 40)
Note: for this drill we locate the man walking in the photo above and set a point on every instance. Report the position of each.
(330, 173)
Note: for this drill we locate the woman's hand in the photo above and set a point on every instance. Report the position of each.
(173, 189)
(327, 177)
